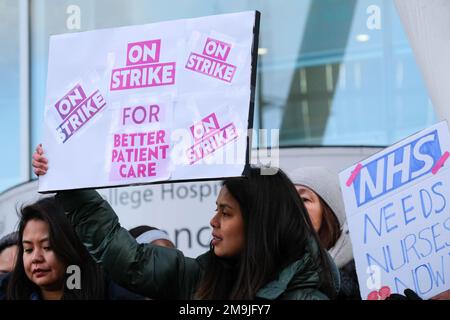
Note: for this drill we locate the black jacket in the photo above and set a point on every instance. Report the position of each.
(164, 273)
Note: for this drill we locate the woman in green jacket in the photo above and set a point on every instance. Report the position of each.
(263, 245)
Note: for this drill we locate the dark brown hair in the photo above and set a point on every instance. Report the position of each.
(278, 231)
(66, 246)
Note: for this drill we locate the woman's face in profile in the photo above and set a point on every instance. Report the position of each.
(312, 205)
(228, 226)
(41, 264)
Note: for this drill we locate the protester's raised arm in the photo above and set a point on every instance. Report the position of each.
(150, 270)
(146, 269)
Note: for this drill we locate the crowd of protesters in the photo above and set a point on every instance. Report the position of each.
(273, 237)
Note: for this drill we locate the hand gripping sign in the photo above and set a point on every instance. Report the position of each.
(170, 101)
(397, 205)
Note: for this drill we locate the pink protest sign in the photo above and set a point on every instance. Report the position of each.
(168, 101)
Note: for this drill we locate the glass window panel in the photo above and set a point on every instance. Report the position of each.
(331, 72)
(10, 133)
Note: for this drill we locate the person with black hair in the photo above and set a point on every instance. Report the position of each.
(47, 246)
(319, 189)
(263, 245)
(49, 254)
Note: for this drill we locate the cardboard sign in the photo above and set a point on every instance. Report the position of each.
(170, 101)
(398, 210)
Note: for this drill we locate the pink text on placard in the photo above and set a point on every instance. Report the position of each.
(212, 61)
(209, 137)
(142, 76)
(210, 67)
(140, 114)
(69, 102)
(80, 115)
(216, 49)
(139, 155)
(143, 52)
(207, 125)
(143, 68)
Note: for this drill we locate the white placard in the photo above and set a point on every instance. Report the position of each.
(398, 209)
(168, 101)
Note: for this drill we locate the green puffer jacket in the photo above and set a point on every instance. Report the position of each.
(165, 273)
